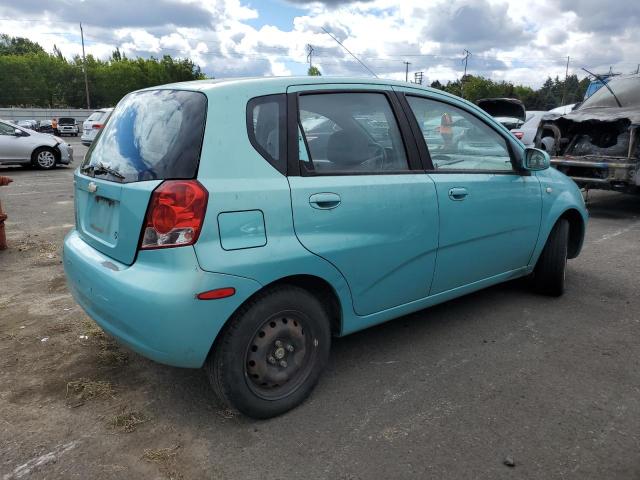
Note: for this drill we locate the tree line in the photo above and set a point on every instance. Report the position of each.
(552, 94)
(31, 77)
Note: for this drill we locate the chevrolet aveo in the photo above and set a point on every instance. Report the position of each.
(240, 224)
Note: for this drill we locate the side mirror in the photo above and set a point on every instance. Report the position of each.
(536, 159)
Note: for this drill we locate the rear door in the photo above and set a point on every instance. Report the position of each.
(358, 195)
(151, 136)
(489, 213)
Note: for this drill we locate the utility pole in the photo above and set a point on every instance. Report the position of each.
(406, 71)
(310, 55)
(638, 69)
(467, 54)
(566, 75)
(418, 77)
(84, 68)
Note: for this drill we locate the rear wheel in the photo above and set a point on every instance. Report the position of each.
(44, 158)
(550, 272)
(271, 354)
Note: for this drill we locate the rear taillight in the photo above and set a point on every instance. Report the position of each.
(175, 214)
(518, 135)
(97, 125)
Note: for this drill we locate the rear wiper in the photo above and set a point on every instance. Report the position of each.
(100, 168)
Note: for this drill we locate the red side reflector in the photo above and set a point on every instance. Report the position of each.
(216, 294)
(97, 125)
(518, 135)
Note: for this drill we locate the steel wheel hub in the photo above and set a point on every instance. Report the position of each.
(277, 356)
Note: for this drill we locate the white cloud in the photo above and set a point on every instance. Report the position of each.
(509, 39)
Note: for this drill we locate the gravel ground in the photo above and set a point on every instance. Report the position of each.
(450, 392)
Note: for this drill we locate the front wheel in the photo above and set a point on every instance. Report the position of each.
(44, 158)
(550, 271)
(270, 356)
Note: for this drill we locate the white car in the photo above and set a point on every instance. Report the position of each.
(68, 126)
(92, 125)
(21, 146)
(526, 133)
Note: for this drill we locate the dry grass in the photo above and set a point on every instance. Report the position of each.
(160, 455)
(84, 389)
(112, 356)
(60, 328)
(91, 329)
(128, 421)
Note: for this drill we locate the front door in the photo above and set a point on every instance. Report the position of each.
(360, 200)
(489, 213)
(12, 147)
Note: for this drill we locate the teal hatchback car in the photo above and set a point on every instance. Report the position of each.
(240, 224)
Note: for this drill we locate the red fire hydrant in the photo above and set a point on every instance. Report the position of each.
(3, 216)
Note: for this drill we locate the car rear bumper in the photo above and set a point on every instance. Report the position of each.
(151, 306)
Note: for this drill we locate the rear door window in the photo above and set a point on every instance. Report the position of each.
(349, 133)
(151, 135)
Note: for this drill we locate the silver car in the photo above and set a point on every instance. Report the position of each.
(92, 125)
(20, 146)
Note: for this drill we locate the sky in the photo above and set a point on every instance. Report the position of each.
(515, 40)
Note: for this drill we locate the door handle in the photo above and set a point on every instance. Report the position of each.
(458, 193)
(324, 201)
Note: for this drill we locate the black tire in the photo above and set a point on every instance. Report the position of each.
(44, 158)
(550, 271)
(286, 314)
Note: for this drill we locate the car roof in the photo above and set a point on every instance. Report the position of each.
(280, 84)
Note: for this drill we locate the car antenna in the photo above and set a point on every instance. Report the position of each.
(349, 52)
(602, 79)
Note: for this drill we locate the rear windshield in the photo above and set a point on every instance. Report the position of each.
(66, 121)
(96, 116)
(151, 135)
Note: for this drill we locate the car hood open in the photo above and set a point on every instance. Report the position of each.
(503, 107)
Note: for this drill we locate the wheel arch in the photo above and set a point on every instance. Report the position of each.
(576, 231)
(53, 148)
(317, 286)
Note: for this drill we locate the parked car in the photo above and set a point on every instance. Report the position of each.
(527, 131)
(30, 124)
(598, 143)
(93, 124)
(68, 126)
(20, 146)
(510, 112)
(209, 232)
(46, 126)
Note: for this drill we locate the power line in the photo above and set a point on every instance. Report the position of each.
(349, 51)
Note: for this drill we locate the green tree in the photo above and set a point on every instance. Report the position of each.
(314, 71)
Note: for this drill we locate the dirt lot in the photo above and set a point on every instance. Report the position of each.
(448, 392)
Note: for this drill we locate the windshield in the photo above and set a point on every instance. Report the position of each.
(154, 134)
(66, 121)
(627, 89)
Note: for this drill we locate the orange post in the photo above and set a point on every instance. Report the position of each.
(3, 216)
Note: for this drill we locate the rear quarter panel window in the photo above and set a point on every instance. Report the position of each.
(267, 126)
